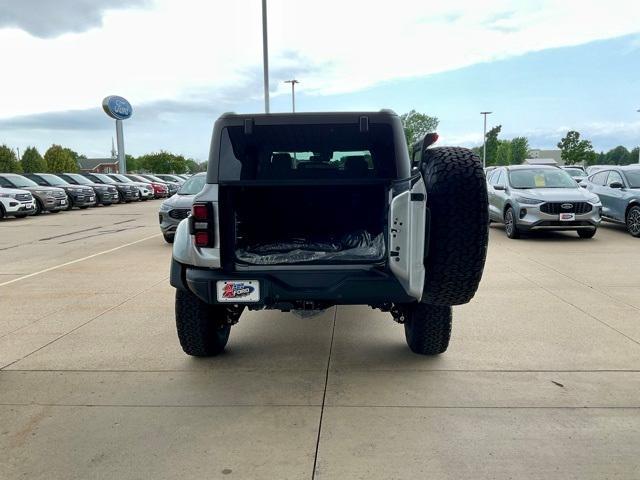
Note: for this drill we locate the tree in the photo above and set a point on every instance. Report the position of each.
(32, 161)
(416, 125)
(132, 163)
(8, 161)
(573, 150)
(503, 154)
(492, 145)
(60, 159)
(162, 162)
(634, 155)
(519, 150)
(618, 156)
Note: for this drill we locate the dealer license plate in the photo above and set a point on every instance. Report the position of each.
(237, 291)
(567, 217)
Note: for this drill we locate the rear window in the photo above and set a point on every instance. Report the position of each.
(289, 152)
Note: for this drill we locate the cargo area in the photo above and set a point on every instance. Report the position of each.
(300, 224)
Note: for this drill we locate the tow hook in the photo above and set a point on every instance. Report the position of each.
(397, 314)
(233, 314)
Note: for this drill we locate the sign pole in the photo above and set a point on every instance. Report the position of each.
(122, 161)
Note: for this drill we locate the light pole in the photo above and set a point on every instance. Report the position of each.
(484, 139)
(293, 93)
(265, 56)
(639, 146)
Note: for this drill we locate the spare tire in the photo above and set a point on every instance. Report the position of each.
(459, 225)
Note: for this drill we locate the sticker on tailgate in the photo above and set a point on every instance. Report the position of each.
(238, 290)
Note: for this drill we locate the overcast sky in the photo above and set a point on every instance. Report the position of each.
(542, 66)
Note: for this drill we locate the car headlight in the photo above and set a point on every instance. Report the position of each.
(164, 207)
(8, 195)
(527, 201)
(46, 193)
(76, 189)
(594, 199)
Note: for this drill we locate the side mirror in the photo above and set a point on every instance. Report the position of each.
(616, 185)
(499, 187)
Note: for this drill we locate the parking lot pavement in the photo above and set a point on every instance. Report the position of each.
(541, 379)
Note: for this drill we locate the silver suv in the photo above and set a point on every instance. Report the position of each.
(526, 197)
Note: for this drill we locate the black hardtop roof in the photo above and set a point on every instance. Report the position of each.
(307, 117)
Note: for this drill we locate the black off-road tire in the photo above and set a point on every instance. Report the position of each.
(587, 233)
(631, 220)
(202, 328)
(459, 229)
(427, 328)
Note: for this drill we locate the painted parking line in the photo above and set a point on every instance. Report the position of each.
(77, 260)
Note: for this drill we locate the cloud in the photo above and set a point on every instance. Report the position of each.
(48, 19)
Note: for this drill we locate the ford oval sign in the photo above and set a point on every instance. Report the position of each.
(117, 107)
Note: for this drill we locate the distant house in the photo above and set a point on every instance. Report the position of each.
(546, 154)
(541, 161)
(98, 165)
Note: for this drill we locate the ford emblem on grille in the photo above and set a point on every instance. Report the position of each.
(567, 206)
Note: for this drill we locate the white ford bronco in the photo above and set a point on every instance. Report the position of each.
(306, 211)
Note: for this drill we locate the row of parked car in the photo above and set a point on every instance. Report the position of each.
(34, 193)
(535, 197)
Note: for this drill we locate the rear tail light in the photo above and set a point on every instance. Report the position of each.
(201, 224)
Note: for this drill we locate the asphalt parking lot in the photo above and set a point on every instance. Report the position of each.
(541, 380)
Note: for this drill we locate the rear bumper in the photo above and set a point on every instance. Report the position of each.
(298, 289)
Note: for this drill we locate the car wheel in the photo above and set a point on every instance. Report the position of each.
(19, 216)
(510, 226)
(459, 225)
(168, 238)
(633, 221)
(203, 329)
(588, 233)
(39, 207)
(427, 328)
(69, 205)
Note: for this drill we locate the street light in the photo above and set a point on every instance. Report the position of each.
(639, 146)
(484, 139)
(265, 56)
(293, 93)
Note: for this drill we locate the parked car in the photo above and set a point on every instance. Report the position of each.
(170, 177)
(105, 194)
(79, 196)
(48, 199)
(344, 225)
(619, 191)
(594, 168)
(145, 189)
(16, 203)
(126, 192)
(526, 197)
(160, 188)
(177, 208)
(577, 173)
(171, 186)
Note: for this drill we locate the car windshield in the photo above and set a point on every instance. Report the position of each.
(633, 177)
(122, 178)
(53, 179)
(156, 179)
(20, 181)
(79, 179)
(104, 178)
(575, 172)
(541, 178)
(192, 186)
